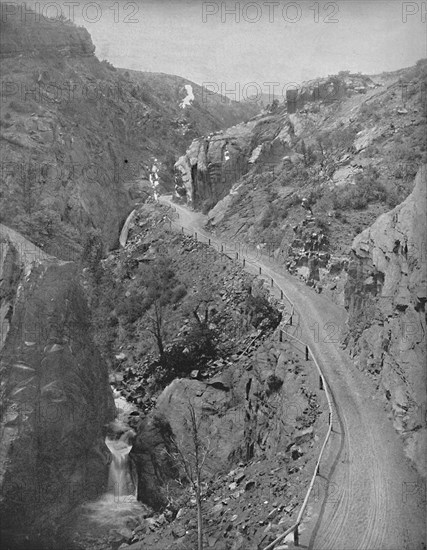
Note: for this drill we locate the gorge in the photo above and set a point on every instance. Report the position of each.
(172, 270)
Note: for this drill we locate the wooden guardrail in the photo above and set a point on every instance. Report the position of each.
(308, 353)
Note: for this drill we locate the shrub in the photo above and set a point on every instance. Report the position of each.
(201, 342)
(260, 310)
(369, 111)
(323, 224)
(178, 294)
(131, 308)
(23, 106)
(367, 189)
(273, 384)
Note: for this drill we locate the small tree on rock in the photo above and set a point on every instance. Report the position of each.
(191, 455)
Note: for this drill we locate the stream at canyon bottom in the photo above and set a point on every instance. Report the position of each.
(107, 521)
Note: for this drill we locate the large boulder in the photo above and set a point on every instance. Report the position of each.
(234, 418)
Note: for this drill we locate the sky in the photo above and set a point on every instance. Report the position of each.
(233, 44)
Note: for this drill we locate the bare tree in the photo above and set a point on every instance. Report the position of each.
(192, 457)
(156, 325)
(159, 281)
(198, 302)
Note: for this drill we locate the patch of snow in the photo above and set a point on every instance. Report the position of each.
(186, 102)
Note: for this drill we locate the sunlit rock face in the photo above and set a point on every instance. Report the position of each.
(211, 165)
(56, 398)
(385, 295)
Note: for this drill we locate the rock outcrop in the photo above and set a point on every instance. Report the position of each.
(254, 409)
(349, 149)
(55, 395)
(42, 35)
(211, 165)
(78, 135)
(385, 295)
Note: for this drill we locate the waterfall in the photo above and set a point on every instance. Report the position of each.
(120, 483)
(118, 507)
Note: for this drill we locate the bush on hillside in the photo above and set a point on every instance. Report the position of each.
(367, 189)
(132, 308)
(192, 353)
(260, 310)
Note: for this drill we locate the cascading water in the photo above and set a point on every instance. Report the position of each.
(120, 483)
(117, 510)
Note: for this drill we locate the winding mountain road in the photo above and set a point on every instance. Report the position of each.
(373, 497)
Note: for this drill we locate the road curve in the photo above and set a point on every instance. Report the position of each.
(373, 497)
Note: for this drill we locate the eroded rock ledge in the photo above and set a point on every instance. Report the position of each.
(385, 295)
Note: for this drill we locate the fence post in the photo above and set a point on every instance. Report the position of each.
(296, 536)
(272, 282)
(290, 320)
(244, 262)
(237, 255)
(306, 353)
(222, 248)
(280, 336)
(260, 270)
(209, 242)
(281, 294)
(320, 383)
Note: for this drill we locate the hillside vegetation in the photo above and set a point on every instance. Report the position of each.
(78, 135)
(351, 149)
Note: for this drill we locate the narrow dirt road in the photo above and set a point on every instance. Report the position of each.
(373, 498)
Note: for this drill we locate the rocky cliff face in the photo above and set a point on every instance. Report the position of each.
(241, 412)
(313, 171)
(259, 420)
(385, 295)
(80, 135)
(41, 35)
(211, 165)
(55, 395)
